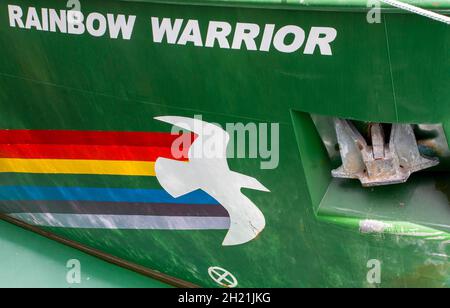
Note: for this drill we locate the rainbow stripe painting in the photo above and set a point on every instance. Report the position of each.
(67, 162)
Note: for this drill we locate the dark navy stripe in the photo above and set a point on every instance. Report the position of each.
(101, 195)
(112, 208)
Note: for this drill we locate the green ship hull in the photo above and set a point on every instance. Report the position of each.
(297, 61)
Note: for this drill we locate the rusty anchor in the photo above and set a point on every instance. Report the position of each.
(380, 163)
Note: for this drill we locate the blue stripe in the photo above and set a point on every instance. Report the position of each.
(36, 193)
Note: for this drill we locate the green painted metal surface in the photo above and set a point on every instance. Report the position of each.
(32, 261)
(395, 71)
(304, 4)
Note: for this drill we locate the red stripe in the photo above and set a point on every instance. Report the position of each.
(51, 151)
(67, 137)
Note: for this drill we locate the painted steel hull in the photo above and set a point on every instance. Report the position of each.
(319, 232)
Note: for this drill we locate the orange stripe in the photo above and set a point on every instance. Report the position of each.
(95, 152)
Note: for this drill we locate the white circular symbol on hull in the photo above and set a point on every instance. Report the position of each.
(222, 277)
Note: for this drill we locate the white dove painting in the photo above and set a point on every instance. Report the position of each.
(212, 174)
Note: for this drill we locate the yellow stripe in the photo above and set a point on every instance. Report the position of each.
(74, 166)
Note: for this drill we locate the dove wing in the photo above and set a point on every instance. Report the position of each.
(203, 130)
